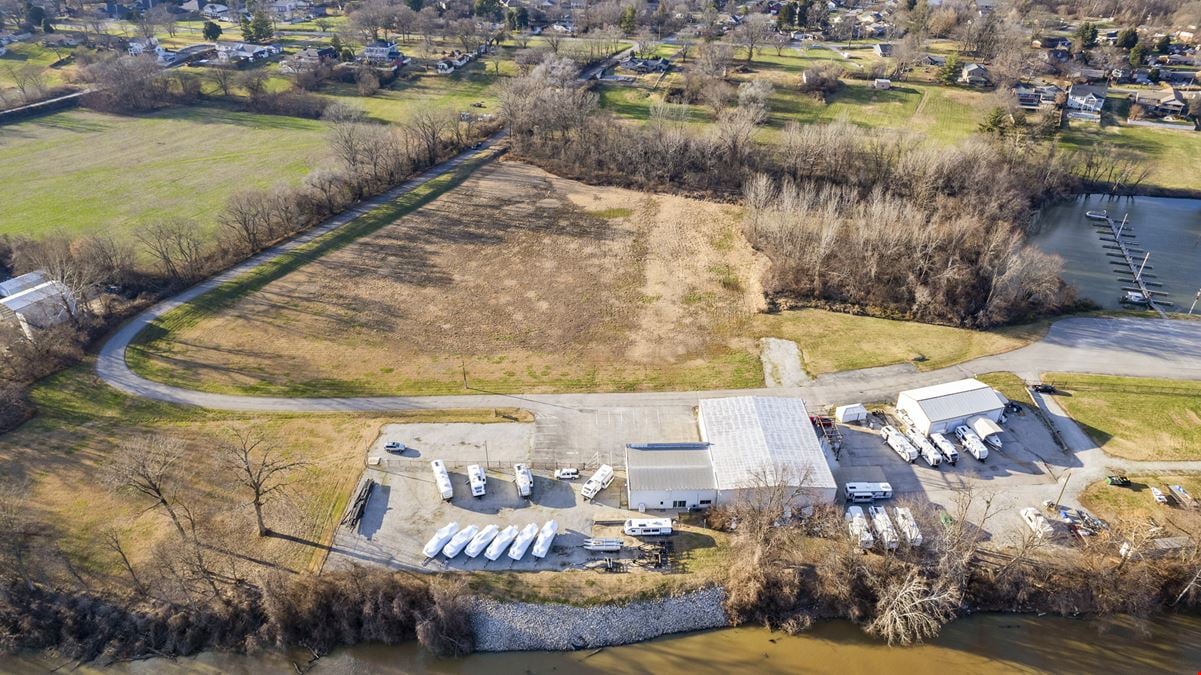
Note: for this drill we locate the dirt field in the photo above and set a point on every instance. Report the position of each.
(517, 280)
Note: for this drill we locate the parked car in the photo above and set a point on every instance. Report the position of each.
(395, 446)
(567, 474)
(1044, 388)
(1118, 481)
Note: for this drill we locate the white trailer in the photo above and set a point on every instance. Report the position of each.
(946, 447)
(605, 545)
(477, 480)
(857, 524)
(908, 526)
(546, 537)
(924, 447)
(501, 542)
(481, 540)
(460, 541)
(899, 443)
(882, 524)
(599, 481)
(436, 542)
(866, 492)
(971, 442)
(647, 527)
(522, 543)
(1037, 523)
(442, 480)
(524, 479)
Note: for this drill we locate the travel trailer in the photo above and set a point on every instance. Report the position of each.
(599, 481)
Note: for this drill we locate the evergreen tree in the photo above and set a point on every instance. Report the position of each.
(629, 20)
(212, 32)
(1127, 39)
(949, 72)
(1163, 44)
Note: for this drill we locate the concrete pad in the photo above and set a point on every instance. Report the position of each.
(782, 366)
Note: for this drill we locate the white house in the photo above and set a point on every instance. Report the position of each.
(234, 52)
(381, 52)
(214, 10)
(942, 407)
(37, 306)
(975, 75)
(1085, 101)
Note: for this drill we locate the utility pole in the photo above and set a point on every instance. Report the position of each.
(1066, 476)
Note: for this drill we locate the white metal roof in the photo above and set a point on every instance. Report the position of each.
(669, 469)
(21, 283)
(49, 293)
(953, 400)
(757, 438)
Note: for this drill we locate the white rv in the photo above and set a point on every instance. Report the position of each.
(599, 481)
(478, 480)
(460, 541)
(546, 537)
(501, 542)
(866, 492)
(522, 543)
(971, 442)
(481, 540)
(924, 447)
(908, 526)
(524, 478)
(946, 447)
(647, 527)
(442, 480)
(1037, 523)
(882, 524)
(899, 443)
(857, 524)
(439, 539)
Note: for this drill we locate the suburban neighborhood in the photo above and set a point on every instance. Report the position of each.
(654, 335)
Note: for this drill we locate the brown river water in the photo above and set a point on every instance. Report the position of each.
(990, 643)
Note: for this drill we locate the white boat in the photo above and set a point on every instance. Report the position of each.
(1097, 215)
(460, 541)
(988, 430)
(605, 545)
(524, 479)
(442, 480)
(882, 524)
(481, 540)
(477, 480)
(522, 543)
(497, 548)
(908, 526)
(857, 524)
(436, 542)
(1159, 496)
(546, 537)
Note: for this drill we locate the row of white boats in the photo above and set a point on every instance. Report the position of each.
(881, 527)
(492, 541)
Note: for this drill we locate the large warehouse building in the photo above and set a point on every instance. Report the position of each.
(748, 442)
(942, 407)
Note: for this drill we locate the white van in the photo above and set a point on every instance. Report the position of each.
(647, 527)
(858, 493)
(478, 480)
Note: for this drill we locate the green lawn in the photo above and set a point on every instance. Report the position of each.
(85, 171)
(1170, 154)
(1135, 418)
(478, 82)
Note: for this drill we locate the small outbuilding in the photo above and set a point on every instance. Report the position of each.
(37, 307)
(942, 407)
(847, 414)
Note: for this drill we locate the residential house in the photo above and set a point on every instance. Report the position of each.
(1166, 101)
(1085, 101)
(974, 75)
(241, 52)
(381, 52)
(1055, 56)
(163, 57)
(1028, 97)
(35, 303)
(288, 10)
(659, 65)
(1052, 42)
(308, 59)
(214, 10)
(1048, 93)
(883, 49)
(1089, 75)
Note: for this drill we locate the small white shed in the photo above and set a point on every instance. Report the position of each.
(854, 412)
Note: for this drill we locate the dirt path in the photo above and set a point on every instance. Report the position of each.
(782, 363)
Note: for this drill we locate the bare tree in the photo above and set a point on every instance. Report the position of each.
(223, 78)
(429, 126)
(254, 465)
(146, 465)
(752, 33)
(913, 610)
(177, 247)
(112, 540)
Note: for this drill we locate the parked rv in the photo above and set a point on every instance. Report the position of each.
(599, 481)
(481, 540)
(882, 524)
(866, 492)
(478, 480)
(524, 479)
(440, 538)
(899, 443)
(924, 447)
(908, 526)
(1037, 522)
(946, 447)
(460, 541)
(971, 442)
(500, 543)
(857, 524)
(647, 527)
(442, 480)
(522, 543)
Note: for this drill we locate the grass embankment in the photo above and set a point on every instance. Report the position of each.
(63, 452)
(1135, 504)
(1135, 418)
(89, 172)
(1009, 384)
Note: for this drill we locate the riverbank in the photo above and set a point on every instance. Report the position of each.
(503, 627)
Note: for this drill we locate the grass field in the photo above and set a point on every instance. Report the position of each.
(1167, 152)
(1135, 418)
(84, 171)
(1136, 505)
(64, 450)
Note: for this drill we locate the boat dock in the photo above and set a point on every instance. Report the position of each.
(1120, 245)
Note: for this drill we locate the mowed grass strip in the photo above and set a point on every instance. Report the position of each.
(151, 340)
(1135, 418)
(1136, 506)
